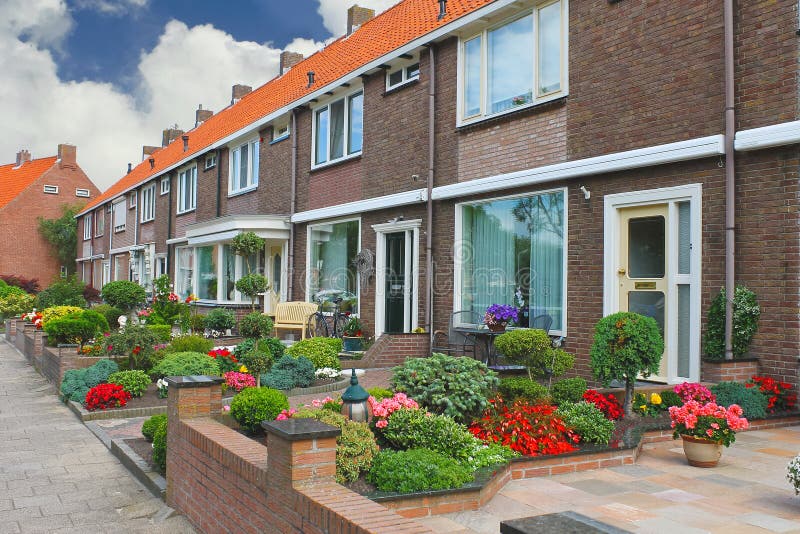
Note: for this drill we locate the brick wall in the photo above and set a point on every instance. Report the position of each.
(55, 361)
(390, 350)
(730, 371)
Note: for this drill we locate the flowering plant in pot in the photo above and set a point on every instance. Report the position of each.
(498, 316)
(705, 428)
(353, 335)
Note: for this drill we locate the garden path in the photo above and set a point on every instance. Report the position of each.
(55, 475)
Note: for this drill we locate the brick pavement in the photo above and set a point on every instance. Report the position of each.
(55, 475)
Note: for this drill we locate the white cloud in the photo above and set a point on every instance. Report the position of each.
(188, 66)
(334, 12)
(112, 7)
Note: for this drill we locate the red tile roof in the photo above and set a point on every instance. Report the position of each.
(397, 26)
(14, 181)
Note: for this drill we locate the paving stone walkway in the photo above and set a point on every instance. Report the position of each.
(55, 475)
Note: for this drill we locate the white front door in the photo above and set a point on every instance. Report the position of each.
(397, 277)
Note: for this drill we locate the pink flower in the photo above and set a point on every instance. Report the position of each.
(226, 408)
(383, 423)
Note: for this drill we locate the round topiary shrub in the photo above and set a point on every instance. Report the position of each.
(458, 387)
(587, 421)
(415, 429)
(417, 470)
(134, 382)
(520, 387)
(751, 400)
(289, 373)
(251, 406)
(568, 390)
(220, 320)
(626, 345)
(746, 313)
(111, 314)
(186, 364)
(322, 351)
(123, 294)
(190, 344)
(255, 325)
(150, 426)
(534, 349)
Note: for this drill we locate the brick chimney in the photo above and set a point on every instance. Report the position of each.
(289, 60)
(238, 91)
(356, 16)
(23, 156)
(148, 150)
(68, 156)
(169, 135)
(201, 115)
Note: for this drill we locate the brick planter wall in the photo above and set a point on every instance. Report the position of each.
(55, 361)
(285, 486)
(729, 371)
(19, 340)
(392, 349)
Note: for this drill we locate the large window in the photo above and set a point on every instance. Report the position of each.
(513, 253)
(99, 221)
(244, 167)
(218, 269)
(338, 129)
(333, 247)
(514, 64)
(149, 203)
(184, 271)
(187, 190)
(87, 226)
(119, 215)
(207, 272)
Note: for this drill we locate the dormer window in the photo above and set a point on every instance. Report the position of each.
(402, 75)
(280, 131)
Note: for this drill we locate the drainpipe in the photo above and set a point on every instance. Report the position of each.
(429, 200)
(730, 179)
(169, 224)
(219, 185)
(292, 206)
(136, 238)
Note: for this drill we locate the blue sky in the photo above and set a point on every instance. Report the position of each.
(109, 75)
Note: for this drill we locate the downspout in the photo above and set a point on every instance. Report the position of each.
(169, 226)
(91, 250)
(292, 207)
(429, 200)
(730, 179)
(136, 239)
(112, 271)
(219, 185)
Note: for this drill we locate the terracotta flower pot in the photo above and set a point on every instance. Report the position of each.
(701, 452)
(498, 327)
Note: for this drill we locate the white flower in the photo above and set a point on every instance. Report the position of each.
(327, 372)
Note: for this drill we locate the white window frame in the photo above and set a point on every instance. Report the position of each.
(346, 97)
(177, 278)
(161, 265)
(165, 185)
(99, 222)
(50, 189)
(459, 254)
(210, 162)
(87, 227)
(404, 77)
(84, 193)
(239, 271)
(189, 173)
(280, 130)
(461, 118)
(309, 231)
(253, 149)
(132, 199)
(119, 205)
(148, 211)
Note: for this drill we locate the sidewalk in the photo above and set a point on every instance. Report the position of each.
(55, 475)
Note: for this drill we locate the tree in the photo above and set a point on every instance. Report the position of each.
(61, 234)
(246, 245)
(626, 345)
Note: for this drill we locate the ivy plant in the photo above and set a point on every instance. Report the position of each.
(746, 313)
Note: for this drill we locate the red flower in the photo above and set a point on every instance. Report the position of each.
(106, 396)
(608, 404)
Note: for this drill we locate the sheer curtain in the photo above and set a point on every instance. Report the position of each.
(547, 258)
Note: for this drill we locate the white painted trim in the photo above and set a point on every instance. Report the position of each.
(786, 133)
(643, 157)
(123, 250)
(309, 229)
(345, 97)
(692, 193)
(177, 240)
(255, 223)
(360, 206)
(411, 228)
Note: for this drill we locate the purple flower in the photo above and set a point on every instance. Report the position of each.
(500, 313)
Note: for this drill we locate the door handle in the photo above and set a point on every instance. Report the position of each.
(621, 271)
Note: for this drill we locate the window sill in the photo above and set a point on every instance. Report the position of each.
(119, 229)
(535, 107)
(279, 139)
(336, 162)
(148, 221)
(164, 193)
(185, 212)
(400, 86)
(99, 235)
(250, 189)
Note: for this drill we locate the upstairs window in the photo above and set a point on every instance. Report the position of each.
(187, 190)
(149, 203)
(87, 227)
(211, 161)
(280, 131)
(338, 129)
(51, 189)
(99, 222)
(118, 215)
(517, 63)
(82, 193)
(405, 74)
(244, 167)
(132, 201)
(165, 185)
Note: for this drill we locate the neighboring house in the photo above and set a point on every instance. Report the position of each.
(32, 188)
(567, 157)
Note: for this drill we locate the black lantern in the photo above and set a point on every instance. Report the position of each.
(354, 401)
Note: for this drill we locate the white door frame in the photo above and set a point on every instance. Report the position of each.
(411, 229)
(692, 193)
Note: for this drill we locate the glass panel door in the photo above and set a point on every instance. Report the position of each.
(395, 282)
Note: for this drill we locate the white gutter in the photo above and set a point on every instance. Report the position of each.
(786, 133)
(359, 206)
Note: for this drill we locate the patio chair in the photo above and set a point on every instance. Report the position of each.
(542, 322)
(454, 342)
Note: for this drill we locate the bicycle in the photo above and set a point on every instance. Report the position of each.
(322, 325)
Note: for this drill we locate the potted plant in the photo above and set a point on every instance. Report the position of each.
(498, 316)
(705, 428)
(353, 335)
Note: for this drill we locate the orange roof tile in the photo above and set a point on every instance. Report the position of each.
(395, 27)
(14, 181)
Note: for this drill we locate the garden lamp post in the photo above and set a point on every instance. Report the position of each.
(354, 401)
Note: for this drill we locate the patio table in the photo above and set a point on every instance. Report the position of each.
(486, 337)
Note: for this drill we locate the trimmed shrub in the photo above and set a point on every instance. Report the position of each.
(534, 349)
(417, 470)
(58, 312)
(163, 332)
(289, 372)
(252, 285)
(251, 406)
(77, 382)
(220, 319)
(150, 426)
(62, 292)
(448, 385)
(568, 390)
(190, 344)
(16, 302)
(160, 446)
(185, 364)
(746, 313)
(255, 325)
(322, 351)
(272, 345)
(587, 421)
(111, 314)
(416, 429)
(134, 382)
(670, 398)
(751, 400)
(521, 387)
(379, 393)
(123, 294)
(72, 329)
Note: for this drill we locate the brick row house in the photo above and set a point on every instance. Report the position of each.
(32, 188)
(569, 158)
